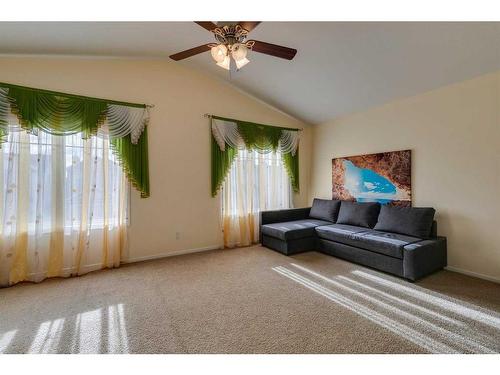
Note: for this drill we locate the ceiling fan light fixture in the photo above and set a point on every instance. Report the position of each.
(219, 53)
(241, 63)
(231, 44)
(226, 63)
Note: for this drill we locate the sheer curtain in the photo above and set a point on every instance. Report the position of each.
(63, 206)
(256, 182)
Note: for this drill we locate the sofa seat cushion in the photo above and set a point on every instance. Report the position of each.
(390, 244)
(342, 233)
(338, 232)
(292, 230)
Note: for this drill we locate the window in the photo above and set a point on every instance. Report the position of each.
(63, 205)
(255, 183)
(56, 178)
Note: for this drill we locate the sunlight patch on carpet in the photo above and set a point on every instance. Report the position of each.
(394, 326)
(454, 333)
(466, 310)
(5, 340)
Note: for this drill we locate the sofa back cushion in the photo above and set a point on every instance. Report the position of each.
(412, 221)
(361, 214)
(325, 209)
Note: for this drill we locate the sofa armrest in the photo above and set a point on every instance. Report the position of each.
(281, 216)
(424, 257)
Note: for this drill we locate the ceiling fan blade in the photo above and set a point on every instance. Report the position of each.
(249, 25)
(273, 50)
(190, 52)
(207, 25)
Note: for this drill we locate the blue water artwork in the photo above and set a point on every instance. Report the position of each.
(367, 186)
(384, 177)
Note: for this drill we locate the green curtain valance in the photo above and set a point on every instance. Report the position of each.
(229, 135)
(59, 113)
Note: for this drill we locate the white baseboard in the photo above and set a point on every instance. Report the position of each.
(98, 266)
(171, 254)
(67, 271)
(474, 274)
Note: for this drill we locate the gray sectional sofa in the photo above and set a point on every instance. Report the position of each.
(399, 240)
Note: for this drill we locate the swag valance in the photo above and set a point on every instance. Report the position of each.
(56, 113)
(229, 135)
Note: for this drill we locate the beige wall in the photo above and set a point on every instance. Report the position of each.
(454, 135)
(179, 139)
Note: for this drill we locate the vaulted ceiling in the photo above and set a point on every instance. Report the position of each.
(340, 68)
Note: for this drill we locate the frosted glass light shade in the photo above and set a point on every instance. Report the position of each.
(239, 52)
(219, 53)
(241, 63)
(226, 63)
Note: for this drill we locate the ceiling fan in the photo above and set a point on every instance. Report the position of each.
(232, 44)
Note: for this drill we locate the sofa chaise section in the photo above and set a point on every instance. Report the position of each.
(293, 231)
(289, 231)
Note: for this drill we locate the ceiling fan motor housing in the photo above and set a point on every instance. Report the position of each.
(230, 34)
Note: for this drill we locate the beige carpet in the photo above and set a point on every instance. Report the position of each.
(250, 300)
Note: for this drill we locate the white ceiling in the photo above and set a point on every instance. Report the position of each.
(339, 68)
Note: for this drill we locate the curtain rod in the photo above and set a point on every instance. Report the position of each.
(58, 93)
(250, 122)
